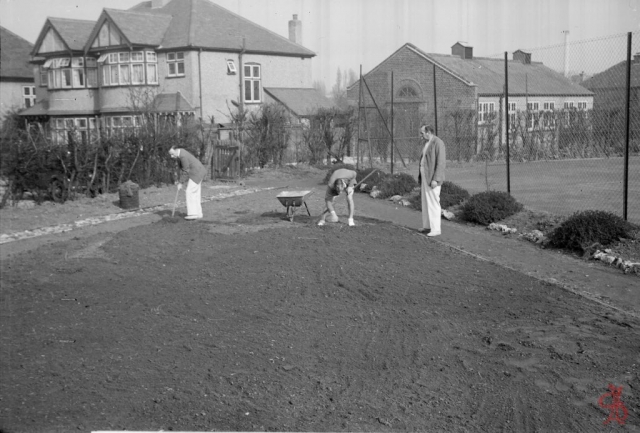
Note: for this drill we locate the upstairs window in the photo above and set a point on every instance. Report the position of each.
(252, 83)
(29, 96)
(71, 73)
(407, 92)
(44, 76)
(231, 67)
(129, 68)
(175, 63)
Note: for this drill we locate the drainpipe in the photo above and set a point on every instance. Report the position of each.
(241, 75)
(200, 84)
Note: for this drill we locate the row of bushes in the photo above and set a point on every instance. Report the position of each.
(579, 232)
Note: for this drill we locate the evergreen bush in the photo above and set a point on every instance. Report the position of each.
(452, 194)
(376, 179)
(583, 229)
(489, 206)
(397, 184)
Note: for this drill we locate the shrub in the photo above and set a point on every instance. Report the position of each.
(375, 179)
(583, 229)
(335, 167)
(397, 184)
(489, 206)
(452, 194)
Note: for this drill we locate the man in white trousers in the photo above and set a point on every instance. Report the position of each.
(432, 166)
(195, 172)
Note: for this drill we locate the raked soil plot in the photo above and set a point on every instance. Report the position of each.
(205, 326)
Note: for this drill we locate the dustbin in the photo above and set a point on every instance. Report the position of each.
(129, 195)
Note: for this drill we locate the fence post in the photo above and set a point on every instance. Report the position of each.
(435, 101)
(627, 125)
(506, 102)
(392, 141)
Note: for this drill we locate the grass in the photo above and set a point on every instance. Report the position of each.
(559, 187)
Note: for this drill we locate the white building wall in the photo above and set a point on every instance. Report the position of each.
(11, 97)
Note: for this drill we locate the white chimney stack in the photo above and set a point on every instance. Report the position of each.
(295, 30)
(156, 4)
(566, 52)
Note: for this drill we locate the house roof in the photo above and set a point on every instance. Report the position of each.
(488, 74)
(41, 108)
(301, 102)
(170, 103)
(614, 77)
(138, 28)
(74, 33)
(14, 56)
(202, 24)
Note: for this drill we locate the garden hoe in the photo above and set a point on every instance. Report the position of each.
(173, 219)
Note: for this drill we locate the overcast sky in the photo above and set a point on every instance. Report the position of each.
(348, 33)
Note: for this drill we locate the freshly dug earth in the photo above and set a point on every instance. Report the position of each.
(202, 326)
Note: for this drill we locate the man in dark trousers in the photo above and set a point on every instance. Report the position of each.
(194, 171)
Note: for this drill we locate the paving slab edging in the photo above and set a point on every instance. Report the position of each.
(61, 228)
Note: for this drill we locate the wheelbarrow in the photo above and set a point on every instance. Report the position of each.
(293, 200)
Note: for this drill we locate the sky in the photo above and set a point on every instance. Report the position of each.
(348, 34)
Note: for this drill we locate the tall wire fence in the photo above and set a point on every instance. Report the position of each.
(572, 143)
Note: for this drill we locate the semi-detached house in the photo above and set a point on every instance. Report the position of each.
(17, 88)
(178, 58)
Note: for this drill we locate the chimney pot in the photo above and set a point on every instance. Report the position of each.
(156, 4)
(295, 30)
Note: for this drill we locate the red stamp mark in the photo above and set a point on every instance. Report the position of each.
(616, 407)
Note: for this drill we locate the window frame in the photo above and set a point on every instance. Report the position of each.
(231, 68)
(28, 96)
(483, 112)
(253, 81)
(173, 62)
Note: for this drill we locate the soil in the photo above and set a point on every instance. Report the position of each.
(247, 321)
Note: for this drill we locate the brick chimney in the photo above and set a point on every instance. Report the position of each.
(295, 30)
(157, 4)
(522, 56)
(462, 49)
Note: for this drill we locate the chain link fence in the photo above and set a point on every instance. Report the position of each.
(564, 118)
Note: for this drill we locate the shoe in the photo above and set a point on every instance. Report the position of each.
(351, 223)
(321, 223)
(193, 217)
(333, 218)
(433, 234)
(424, 231)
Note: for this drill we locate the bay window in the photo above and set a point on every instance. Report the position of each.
(126, 68)
(69, 73)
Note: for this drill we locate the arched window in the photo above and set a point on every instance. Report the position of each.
(407, 92)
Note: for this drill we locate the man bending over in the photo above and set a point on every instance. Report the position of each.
(341, 180)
